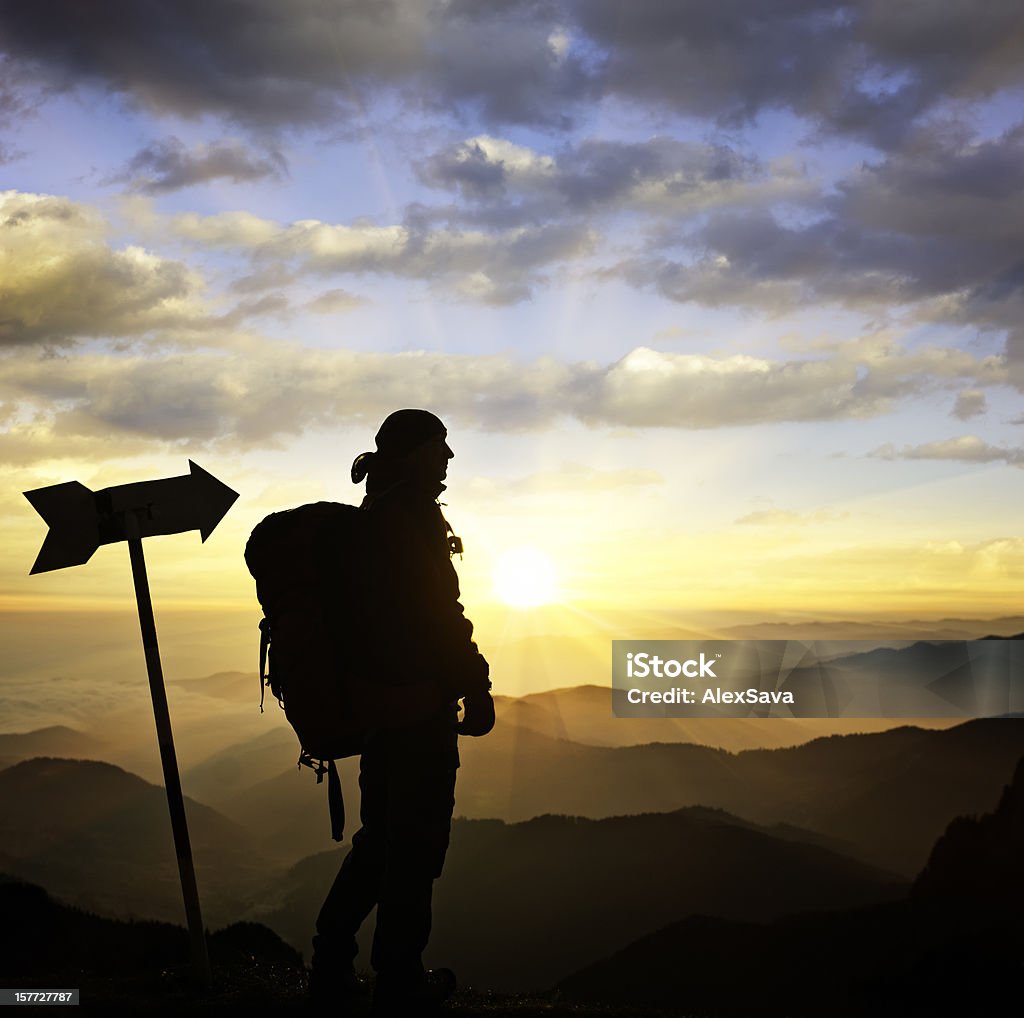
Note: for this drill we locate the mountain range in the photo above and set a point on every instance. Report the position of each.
(953, 947)
(100, 838)
(521, 905)
(886, 795)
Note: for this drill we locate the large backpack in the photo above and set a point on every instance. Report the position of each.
(309, 565)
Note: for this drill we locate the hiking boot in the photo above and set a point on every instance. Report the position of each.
(421, 996)
(337, 990)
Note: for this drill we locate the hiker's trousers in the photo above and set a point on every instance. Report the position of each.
(407, 795)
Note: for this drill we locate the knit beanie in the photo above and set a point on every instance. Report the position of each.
(401, 433)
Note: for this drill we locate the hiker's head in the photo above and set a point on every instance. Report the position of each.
(411, 445)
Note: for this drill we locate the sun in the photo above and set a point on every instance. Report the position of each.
(524, 578)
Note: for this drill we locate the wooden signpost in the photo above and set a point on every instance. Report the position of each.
(80, 521)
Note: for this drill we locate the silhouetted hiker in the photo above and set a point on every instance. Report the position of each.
(417, 630)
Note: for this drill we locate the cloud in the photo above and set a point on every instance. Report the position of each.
(789, 518)
(485, 165)
(167, 165)
(331, 302)
(499, 267)
(222, 229)
(504, 182)
(521, 212)
(260, 393)
(866, 68)
(268, 64)
(969, 403)
(62, 281)
(288, 64)
(931, 227)
(965, 449)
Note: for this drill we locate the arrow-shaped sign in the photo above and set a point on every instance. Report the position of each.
(81, 520)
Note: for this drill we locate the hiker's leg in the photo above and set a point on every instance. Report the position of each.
(420, 804)
(357, 886)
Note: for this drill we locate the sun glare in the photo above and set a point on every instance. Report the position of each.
(524, 578)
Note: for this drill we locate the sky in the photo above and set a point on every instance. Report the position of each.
(719, 300)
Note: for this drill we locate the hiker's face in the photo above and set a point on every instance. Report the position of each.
(430, 460)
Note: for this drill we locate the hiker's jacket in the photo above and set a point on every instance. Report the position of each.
(415, 626)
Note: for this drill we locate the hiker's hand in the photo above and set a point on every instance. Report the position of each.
(469, 679)
(477, 714)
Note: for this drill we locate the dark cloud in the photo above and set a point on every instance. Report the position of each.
(935, 224)
(467, 167)
(501, 183)
(511, 59)
(261, 62)
(267, 63)
(868, 67)
(168, 165)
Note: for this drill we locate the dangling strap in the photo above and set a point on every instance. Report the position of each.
(264, 645)
(335, 803)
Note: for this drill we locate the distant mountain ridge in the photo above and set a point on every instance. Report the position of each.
(952, 948)
(521, 905)
(100, 838)
(887, 796)
(978, 859)
(56, 740)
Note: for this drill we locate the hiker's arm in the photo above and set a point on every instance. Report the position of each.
(466, 672)
(422, 589)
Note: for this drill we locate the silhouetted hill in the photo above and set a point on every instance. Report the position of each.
(521, 905)
(57, 740)
(288, 813)
(141, 967)
(893, 799)
(889, 631)
(242, 765)
(957, 678)
(894, 959)
(979, 859)
(101, 838)
(580, 714)
(235, 687)
(953, 948)
(887, 795)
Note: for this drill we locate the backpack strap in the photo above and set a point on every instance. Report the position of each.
(264, 646)
(335, 800)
